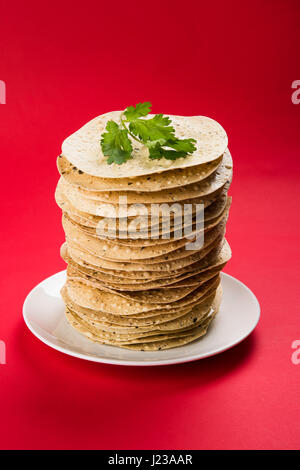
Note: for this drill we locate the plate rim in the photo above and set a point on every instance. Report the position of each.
(120, 362)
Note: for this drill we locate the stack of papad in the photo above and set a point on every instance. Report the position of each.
(137, 277)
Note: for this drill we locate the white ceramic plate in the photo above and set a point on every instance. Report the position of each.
(43, 312)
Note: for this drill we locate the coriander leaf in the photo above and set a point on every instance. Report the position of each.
(157, 152)
(141, 109)
(115, 144)
(185, 145)
(153, 129)
(172, 149)
(156, 133)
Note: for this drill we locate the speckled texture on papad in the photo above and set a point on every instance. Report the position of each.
(145, 229)
(158, 295)
(127, 271)
(144, 319)
(137, 335)
(166, 235)
(168, 322)
(83, 149)
(90, 297)
(75, 271)
(147, 221)
(115, 208)
(87, 259)
(126, 283)
(154, 182)
(110, 250)
(150, 340)
(161, 322)
(179, 193)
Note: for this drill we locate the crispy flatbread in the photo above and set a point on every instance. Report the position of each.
(83, 149)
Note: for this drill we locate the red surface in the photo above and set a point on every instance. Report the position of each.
(67, 63)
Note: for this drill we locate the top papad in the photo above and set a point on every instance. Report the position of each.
(82, 149)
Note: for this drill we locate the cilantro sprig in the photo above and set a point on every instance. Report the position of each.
(156, 133)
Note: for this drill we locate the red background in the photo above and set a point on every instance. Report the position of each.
(234, 61)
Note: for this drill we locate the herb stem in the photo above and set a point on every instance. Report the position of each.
(123, 125)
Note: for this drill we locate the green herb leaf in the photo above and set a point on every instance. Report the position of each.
(184, 145)
(158, 151)
(115, 144)
(164, 150)
(134, 112)
(156, 133)
(157, 128)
